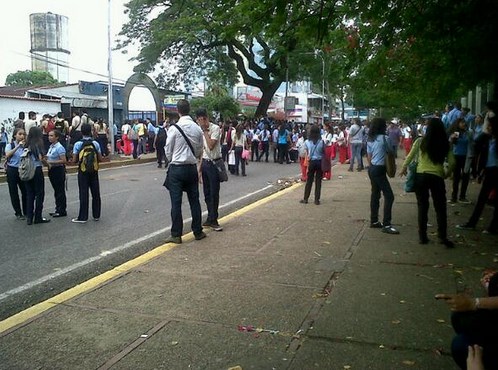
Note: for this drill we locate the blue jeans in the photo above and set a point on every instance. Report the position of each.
(356, 154)
(211, 189)
(380, 183)
(184, 178)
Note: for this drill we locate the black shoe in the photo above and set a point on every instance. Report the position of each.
(390, 230)
(20, 217)
(159, 166)
(41, 221)
(447, 243)
(350, 170)
(317, 202)
(200, 236)
(52, 213)
(55, 215)
(174, 239)
(29, 222)
(376, 225)
(304, 201)
(423, 240)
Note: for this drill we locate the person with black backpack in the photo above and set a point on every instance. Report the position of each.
(87, 154)
(159, 143)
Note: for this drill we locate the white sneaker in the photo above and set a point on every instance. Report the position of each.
(76, 221)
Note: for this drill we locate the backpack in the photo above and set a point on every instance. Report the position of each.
(161, 134)
(27, 166)
(88, 158)
(132, 133)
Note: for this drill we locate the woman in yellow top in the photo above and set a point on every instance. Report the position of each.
(431, 150)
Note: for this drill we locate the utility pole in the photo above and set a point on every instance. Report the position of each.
(110, 98)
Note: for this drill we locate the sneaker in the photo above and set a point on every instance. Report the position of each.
(216, 227)
(174, 239)
(41, 221)
(317, 202)
(464, 201)
(376, 225)
(21, 217)
(56, 214)
(206, 224)
(77, 221)
(423, 240)
(389, 230)
(200, 236)
(304, 201)
(96, 218)
(465, 226)
(452, 201)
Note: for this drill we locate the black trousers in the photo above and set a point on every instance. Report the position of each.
(57, 177)
(314, 174)
(265, 151)
(489, 184)
(425, 183)
(160, 154)
(211, 189)
(89, 183)
(15, 184)
(459, 174)
(35, 195)
(380, 183)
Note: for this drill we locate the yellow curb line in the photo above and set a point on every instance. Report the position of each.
(29, 313)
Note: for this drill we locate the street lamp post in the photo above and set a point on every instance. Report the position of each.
(110, 98)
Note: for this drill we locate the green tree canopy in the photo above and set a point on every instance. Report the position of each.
(30, 78)
(218, 38)
(218, 103)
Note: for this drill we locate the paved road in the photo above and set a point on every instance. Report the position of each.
(42, 260)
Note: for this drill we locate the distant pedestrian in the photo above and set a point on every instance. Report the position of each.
(159, 143)
(56, 160)
(88, 175)
(4, 139)
(183, 152)
(377, 147)
(239, 144)
(13, 153)
(431, 151)
(487, 169)
(210, 175)
(315, 150)
(19, 122)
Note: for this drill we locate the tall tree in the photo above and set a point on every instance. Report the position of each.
(192, 38)
(30, 78)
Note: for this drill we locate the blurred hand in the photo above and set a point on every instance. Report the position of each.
(458, 302)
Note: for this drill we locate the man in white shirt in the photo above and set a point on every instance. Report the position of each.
(355, 136)
(30, 122)
(184, 150)
(210, 175)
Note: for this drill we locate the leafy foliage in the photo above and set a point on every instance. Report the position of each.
(217, 39)
(30, 78)
(218, 103)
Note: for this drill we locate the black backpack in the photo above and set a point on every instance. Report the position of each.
(161, 134)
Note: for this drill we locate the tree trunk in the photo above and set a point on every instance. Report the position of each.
(267, 94)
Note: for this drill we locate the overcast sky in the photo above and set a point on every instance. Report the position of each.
(87, 23)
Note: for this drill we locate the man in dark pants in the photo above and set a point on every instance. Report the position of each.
(183, 151)
(210, 174)
(87, 180)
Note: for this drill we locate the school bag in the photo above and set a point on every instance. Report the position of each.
(27, 166)
(161, 134)
(132, 133)
(88, 158)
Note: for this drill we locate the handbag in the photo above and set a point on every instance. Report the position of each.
(231, 158)
(410, 177)
(412, 173)
(222, 170)
(390, 161)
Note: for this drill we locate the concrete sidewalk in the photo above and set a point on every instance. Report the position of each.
(284, 286)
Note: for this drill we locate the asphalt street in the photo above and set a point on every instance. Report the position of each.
(42, 260)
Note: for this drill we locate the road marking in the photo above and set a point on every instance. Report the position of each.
(28, 314)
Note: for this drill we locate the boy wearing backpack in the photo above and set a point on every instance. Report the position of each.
(88, 155)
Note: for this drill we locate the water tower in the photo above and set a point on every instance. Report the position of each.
(49, 44)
